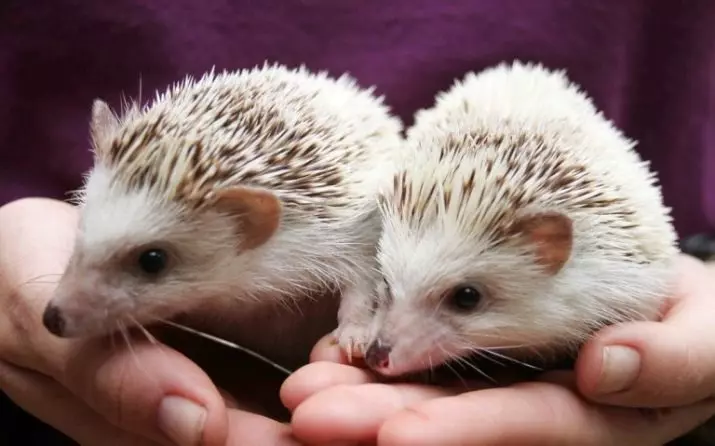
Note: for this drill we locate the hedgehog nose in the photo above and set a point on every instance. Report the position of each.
(52, 320)
(378, 355)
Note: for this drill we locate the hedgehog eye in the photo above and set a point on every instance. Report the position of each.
(465, 298)
(153, 261)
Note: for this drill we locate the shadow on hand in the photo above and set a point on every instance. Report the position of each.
(254, 384)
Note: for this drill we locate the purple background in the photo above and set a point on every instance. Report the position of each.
(648, 64)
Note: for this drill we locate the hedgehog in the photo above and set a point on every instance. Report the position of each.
(231, 197)
(519, 221)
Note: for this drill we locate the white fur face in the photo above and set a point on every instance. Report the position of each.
(420, 316)
(496, 147)
(105, 284)
(520, 310)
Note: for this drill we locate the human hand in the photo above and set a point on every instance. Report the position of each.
(94, 391)
(334, 402)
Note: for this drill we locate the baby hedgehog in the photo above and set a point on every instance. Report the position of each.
(519, 220)
(225, 194)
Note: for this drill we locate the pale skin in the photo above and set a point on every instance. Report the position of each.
(101, 395)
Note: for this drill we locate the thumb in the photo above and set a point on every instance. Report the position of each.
(657, 364)
(148, 389)
(646, 364)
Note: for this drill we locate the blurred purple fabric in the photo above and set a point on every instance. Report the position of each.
(649, 65)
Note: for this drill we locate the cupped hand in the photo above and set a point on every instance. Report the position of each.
(668, 367)
(95, 391)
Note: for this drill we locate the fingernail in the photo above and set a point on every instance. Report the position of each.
(182, 420)
(621, 366)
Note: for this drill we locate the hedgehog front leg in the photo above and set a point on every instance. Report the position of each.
(355, 318)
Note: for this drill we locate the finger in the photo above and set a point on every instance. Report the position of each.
(250, 429)
(53, 404)
(228, 400)
(148, 389)
(629, 364)
(533, 414)
(32, 264)
(327, 349)
(316, 377)
(354, 413)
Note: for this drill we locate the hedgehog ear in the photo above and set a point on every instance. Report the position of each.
(257, 212)
(550, 234)
(103, 126)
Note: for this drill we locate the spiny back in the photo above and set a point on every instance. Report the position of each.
(520, 138)
(296, 133)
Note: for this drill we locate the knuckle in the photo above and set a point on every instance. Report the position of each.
(29, 204)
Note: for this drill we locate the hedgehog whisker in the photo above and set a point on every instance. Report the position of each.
(38, 280)
(292, 303)
(430, 370)
(456, 374)
(482, 353)
(227, 343)
(149, 337)
(501, 337)
(514, 360)
(451, 369)
(113, 338)
(124, 332)
(464, 362)
(504, 347)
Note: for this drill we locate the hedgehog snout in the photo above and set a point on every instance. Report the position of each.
(80, 308)
(67, 320)
(377, 356)
(53, 320)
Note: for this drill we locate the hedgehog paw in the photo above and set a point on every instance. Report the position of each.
(353, 339)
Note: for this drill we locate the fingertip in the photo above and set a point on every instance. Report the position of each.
(315, 377)
(36, 207)
(327, 349)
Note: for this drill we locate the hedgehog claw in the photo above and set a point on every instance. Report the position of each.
(353, 339)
